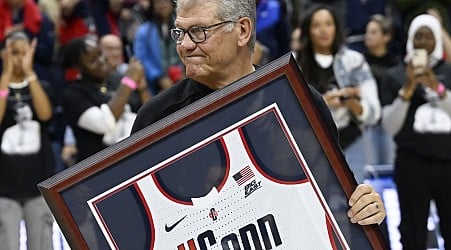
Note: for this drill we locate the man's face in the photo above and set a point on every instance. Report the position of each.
(111, 48)
(210, 60)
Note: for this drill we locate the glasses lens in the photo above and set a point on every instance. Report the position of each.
(197, 34)
(177, 34)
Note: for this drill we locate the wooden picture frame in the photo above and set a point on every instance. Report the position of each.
(95, 204)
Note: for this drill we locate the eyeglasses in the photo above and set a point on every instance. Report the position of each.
(196, 33)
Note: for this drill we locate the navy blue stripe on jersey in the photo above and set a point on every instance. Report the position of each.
(128, 209)
(268, 144)
(193, 175)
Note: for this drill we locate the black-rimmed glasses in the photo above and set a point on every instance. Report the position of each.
(196, 33)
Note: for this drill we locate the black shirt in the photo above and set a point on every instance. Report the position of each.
(21, 172)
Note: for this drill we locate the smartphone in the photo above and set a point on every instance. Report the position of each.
(419, 58)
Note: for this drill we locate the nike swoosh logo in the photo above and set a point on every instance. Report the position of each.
(169, 228)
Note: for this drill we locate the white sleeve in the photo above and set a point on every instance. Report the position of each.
(371, 107)
(97, 120)
(394, 115)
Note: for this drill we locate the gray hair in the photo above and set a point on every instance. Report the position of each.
(228, 10)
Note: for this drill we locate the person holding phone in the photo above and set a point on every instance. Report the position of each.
(344, 79)
(417, 113)
(379, 144)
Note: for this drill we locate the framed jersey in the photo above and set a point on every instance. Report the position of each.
(250, 166)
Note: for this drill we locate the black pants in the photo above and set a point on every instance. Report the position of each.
(419, 181)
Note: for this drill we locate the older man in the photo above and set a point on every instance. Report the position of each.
(113, 50)
(215, 41)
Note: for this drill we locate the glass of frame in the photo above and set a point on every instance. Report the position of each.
(251, 166)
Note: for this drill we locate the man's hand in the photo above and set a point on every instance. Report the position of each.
(366, 206)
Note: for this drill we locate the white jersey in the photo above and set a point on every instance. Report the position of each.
(282, 213)
(248, 205)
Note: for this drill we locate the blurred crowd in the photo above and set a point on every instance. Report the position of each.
(75, 72)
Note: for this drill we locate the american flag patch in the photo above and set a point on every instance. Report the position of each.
(244, 175)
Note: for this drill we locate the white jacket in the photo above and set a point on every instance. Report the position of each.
(351, 69)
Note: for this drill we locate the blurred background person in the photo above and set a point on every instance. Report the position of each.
(379, 145)
(155, 49)
(344, 79)
(358, 13)
(24, 15)
(121, 18)
(26, 154)
(112, 48)
(93, 106)
(295, 41)
(417, 113)
(107, 15)
(75, 20)
(133, 16)
(412, 8)
(339, 7)
(52, 10)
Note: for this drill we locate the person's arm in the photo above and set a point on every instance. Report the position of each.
(4, 92)
(369, 110)
(356, 95)
(394, 115)
(143, 90)
(130, 83)
(397, 103)
(325, 112)
(40, 100)
(84, 113)
(5, 79)
(429, 80)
